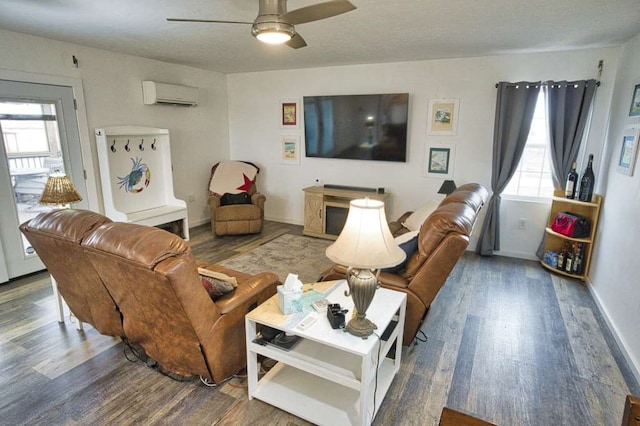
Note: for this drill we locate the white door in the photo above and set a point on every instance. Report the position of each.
(39, 134)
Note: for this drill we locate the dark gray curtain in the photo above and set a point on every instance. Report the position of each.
(568, 109)
(515, 105)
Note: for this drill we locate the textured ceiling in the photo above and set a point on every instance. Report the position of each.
(377, 31)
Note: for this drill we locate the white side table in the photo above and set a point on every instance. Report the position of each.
(329, 377)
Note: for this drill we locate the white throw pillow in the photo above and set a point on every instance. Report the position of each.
(417, 218)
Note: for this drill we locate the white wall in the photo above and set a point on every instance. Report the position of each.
(522, 243)
(615, 268)
(112, 86)
(255, 133)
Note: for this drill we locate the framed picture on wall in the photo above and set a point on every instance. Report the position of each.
(439, 161)
(289, 113)
(290, 149)
(635, 102)
(443, 117)
(628, 150)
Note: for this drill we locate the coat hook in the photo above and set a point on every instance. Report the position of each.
(140, 146)
(153, 145)
(126, 147)
(113, 146)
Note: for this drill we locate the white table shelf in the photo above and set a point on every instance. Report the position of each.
(330, 376)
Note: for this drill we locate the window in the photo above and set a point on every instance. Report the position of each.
(29, 129)
(532, 178)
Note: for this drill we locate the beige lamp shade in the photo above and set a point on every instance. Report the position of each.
(366, 241)
(59, 190)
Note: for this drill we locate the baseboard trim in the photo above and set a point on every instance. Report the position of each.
(631, 362)
(284, 220)
(193, 224)
(517, 255)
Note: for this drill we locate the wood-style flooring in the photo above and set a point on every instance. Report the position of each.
(507, 342)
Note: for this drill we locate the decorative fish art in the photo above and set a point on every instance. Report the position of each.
(138, 179)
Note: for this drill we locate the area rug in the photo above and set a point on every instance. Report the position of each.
(286, 254)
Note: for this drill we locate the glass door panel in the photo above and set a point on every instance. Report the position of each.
(39, 135)
(32, 147)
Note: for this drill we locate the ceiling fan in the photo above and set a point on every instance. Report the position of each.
(274, 25)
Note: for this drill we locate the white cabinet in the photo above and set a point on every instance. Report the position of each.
(137, 178)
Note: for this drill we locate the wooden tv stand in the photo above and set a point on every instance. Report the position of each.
(326, 208)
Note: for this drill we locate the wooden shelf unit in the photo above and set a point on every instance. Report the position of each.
(554, 241)
(320, 202)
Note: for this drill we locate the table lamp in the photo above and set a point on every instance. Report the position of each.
(365, 245)
(448, 186)
(59, 190)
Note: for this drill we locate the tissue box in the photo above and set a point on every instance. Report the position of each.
(289, 302)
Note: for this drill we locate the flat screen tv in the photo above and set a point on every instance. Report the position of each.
(357, 127)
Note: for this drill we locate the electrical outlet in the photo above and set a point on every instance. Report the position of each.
(522, 224)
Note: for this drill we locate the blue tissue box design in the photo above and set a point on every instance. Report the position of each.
(289, 302)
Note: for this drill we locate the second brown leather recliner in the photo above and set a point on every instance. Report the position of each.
(442, 239)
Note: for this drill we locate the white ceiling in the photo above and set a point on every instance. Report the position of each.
(377, 31)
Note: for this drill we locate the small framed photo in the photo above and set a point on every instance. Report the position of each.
(439, 161)
(289, 113)
(634, 110)
(443, 117)
(290, 149)
(628, 151)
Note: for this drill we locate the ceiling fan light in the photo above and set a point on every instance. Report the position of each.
(273, 37)
(273, 32)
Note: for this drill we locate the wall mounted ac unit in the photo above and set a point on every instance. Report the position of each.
(154, 93)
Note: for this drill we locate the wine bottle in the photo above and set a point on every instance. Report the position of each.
(587, 182)
(579, 263)
(568, 259)
(562, 256)
(572, 182)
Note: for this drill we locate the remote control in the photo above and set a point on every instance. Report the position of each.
(307, 322)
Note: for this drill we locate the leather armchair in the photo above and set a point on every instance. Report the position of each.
(56, 236)
(237, 219)
(443, 238)
(153, 277)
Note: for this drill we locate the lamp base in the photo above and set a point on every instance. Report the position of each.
(360, 327)
(362, 288)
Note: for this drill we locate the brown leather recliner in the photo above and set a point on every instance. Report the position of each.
(56, 237)
(152, 275)
(443, 238)
(237, 219)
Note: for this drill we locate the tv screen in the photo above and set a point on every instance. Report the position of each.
(357, 127)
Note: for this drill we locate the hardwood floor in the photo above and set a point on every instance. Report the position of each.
(507, 342)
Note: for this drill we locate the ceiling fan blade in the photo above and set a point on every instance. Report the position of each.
(296, 42)
(207, 21)
(318, 11)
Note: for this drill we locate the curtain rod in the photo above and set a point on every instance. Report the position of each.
(546, 83)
